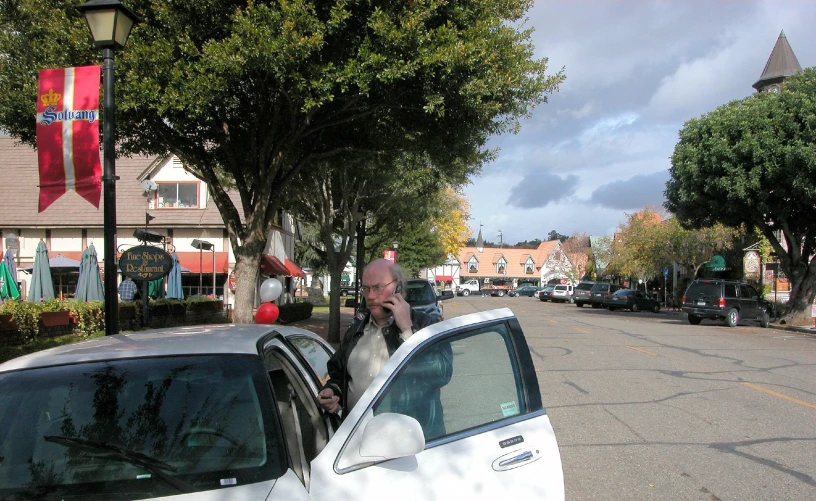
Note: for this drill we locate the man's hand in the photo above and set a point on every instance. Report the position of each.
(401, 311)
(328, 400)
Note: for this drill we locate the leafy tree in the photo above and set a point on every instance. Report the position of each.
(249, 94)
(752, 162)
(693, 248)
(554, 235)
(636, 251)
(451, 223)
(600, 256)
(528, 244)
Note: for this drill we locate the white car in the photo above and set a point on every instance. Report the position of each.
(562, 293)
(230, 412)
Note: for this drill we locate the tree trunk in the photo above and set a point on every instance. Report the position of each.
(334, 305)
(803, 285)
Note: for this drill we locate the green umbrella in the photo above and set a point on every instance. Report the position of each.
(155, 287)
(89, 286)
(42, 287)
(9, 289)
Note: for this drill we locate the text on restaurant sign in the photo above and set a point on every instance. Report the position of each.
(145, 262)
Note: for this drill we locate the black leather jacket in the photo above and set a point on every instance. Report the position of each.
(416, 392)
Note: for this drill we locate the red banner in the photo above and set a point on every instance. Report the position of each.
(390, 255)
(68, 134)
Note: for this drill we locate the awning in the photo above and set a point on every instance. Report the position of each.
(270, 265)
(190, 260)
(444, 278)
(294, 270)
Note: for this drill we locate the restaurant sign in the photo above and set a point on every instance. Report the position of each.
(145, 262)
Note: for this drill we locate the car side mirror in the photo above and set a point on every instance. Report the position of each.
(391, 436)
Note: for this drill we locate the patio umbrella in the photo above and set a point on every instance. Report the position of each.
(174, 289)
(58, 264)
(89, 286)
(8, 258)
(154, 288)
(9, 288)
(42, 287)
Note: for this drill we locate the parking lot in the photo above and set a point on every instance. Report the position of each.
(646, 406)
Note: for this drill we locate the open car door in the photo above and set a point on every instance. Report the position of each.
(456, 413)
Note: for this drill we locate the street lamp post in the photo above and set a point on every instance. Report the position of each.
(396, 246)
(203, 245)
(110, 23)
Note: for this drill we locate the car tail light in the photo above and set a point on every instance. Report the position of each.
(722, 302)
(685, 300)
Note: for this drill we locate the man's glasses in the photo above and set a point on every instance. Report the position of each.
(365, 289)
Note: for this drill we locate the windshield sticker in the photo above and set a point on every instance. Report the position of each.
(229, 481)
(509, 409)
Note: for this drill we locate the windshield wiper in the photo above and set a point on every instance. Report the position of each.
(150, 464)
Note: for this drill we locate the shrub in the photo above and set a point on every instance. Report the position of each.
(89, 317)
(292, 312)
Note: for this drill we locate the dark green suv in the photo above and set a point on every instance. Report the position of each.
(725, 300)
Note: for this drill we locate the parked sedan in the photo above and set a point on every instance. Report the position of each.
(629, 299)
(525, 290)
(546, 294)
(231, 412)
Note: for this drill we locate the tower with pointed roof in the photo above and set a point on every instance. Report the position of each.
(781, 64)
(479, 241)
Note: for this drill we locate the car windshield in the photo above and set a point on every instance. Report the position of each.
(600, 287)
(135, 429)
(583, 287)
(419, 293)
(560, 287)
(623, 292)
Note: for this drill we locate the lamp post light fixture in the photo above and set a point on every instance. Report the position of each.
(396, 246)
(203, 245)
(110, 23)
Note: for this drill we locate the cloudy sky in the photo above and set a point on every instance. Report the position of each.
(636, 71)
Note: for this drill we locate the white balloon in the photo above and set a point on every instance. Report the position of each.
(271, 289)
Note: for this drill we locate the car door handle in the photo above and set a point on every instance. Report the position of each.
(524, 456)
(516, 459)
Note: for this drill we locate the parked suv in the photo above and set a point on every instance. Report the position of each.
(580, 293)
(724, 300)
(599, 291)
(562, 293)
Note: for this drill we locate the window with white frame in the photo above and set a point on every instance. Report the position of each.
(529, 266)
(473, 265)
(501, 266)
(176, 195)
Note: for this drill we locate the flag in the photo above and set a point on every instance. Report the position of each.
(68, 134)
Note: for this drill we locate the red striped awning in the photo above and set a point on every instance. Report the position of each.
(270, 265)
(203, 262)
(444, 278)
(294, 270)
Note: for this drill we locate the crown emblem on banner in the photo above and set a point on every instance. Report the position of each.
(50, 99)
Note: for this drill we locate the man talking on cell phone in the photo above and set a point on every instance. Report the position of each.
(380, 326)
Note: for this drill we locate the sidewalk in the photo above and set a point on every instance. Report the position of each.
(319, 323)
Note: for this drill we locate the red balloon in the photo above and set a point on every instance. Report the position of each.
(267, 313)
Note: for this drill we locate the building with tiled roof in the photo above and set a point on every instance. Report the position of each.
(496, 265)
(180, 210)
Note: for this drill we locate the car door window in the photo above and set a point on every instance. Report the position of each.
(458, 383)
(315, 354)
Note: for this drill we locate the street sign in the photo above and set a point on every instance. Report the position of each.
(665, 272)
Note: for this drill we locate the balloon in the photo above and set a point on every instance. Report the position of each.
(267, 313)
(271, 289)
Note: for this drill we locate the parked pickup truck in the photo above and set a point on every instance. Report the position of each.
(474, 287)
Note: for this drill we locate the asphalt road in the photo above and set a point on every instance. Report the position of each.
(648, 407)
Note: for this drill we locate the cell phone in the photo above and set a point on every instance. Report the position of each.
(397, 290)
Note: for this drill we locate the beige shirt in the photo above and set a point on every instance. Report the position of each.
(367, 359)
